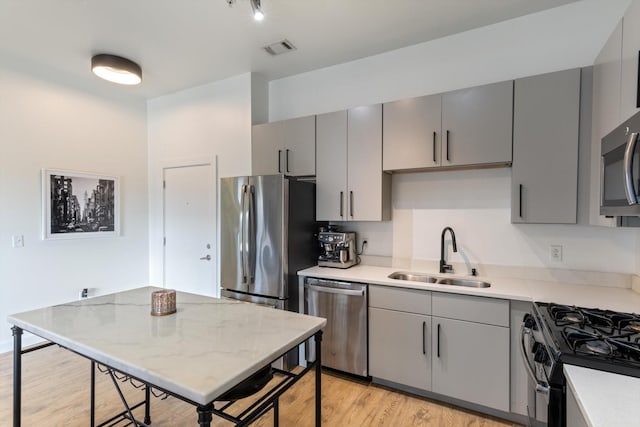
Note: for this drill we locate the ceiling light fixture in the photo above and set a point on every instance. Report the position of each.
(256, 6)
(258, 15)
(116, 69)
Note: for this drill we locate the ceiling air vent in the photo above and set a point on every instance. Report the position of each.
(279, 47)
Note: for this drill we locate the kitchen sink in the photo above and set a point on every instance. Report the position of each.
(420, 277)
(416, 277)
(464, 282)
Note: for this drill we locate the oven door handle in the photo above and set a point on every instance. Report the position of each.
(540, 388)
(629, 188)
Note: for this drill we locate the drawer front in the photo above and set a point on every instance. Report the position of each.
(400, 299)
(490, 311)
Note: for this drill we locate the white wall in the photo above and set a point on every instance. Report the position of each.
(565, 37)
(475, 203)
(45, 124)
(194, 125)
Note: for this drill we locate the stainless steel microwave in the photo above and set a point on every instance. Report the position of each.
(620, 170)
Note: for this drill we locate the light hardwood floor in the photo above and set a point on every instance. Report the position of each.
(56, 393)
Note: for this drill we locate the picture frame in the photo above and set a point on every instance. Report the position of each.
(79, 205)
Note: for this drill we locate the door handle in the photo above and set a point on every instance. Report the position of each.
(279, 163)
(337, 291)
(424, 344)
(447, 144)
(629, 152)
(286, 160)
(434, 147)
(206, 258)
(351, 203)
(540, 388)
(341, 203)
(520, 200)
(438, 349)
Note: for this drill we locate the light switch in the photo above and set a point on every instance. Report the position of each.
(17, 241)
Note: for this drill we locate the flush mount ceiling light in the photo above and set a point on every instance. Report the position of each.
(116, 69)
(256, 6)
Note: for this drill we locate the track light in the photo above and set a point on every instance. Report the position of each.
(116, 69)
(256, 6)
(258, 15)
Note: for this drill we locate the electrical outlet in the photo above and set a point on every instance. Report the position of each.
(555, 253)
(17, 241)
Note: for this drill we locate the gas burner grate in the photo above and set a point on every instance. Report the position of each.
(564, 315)
(623, 346)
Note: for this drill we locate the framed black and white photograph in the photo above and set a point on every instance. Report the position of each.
(79, 205)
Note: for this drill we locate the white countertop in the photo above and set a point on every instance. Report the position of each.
(605, 399)
(612, 298)
(200, 352)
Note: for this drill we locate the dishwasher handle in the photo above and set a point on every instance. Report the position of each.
(332, 290)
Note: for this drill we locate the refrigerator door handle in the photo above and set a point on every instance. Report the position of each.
(251, 235)
(243, 233)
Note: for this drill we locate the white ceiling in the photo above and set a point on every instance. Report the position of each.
(185, 43)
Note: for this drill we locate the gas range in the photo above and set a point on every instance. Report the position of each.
(553, 335)
(593, 338)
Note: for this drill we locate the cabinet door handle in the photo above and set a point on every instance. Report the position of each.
(438, 340)
(286, 160)
(279, 165)
(434, 147)
(520, 201)
(341, 203)
(351, 203)
(424, 344)
(447, 144)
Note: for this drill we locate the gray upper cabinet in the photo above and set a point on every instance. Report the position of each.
(350, 184)
(286, 147)
(466, 127)
(331, 157)
(545, 148)
(411, 133)
(477, 125)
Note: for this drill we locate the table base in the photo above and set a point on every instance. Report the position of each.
(269, 400)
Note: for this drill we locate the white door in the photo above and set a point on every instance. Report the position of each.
(190, 253)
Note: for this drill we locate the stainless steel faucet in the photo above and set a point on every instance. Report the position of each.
(444, 267)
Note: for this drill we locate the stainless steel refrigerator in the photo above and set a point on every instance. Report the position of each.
(267, 234)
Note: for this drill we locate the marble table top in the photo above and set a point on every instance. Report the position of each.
(198, 353)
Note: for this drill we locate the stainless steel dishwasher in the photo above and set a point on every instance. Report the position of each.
(344, 305)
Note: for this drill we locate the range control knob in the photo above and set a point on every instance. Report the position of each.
(529, 321)
(540, 355)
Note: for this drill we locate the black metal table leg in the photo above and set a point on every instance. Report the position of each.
(93, 394)
(147, 404)
(17, 375)
(318, 339)
(276, 413)
(204, 415)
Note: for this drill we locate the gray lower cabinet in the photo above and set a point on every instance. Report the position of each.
(450, 344)
(470, 349)
(477, 125)
(400, 347)
(545, 148)
(287, 147)
(400, 336)
(471, 362)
